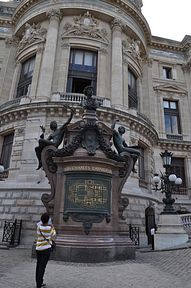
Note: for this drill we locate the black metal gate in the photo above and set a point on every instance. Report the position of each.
(12, 232)
(134, 234)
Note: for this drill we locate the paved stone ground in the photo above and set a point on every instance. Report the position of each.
(169, 269)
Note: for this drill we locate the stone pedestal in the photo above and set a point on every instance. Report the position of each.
(170, 232)
(86, 178)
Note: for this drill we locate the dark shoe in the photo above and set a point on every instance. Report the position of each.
(43, 285)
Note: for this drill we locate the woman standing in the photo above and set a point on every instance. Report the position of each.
(45, 234)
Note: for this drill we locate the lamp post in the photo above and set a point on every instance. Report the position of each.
(167, 183)
(1, 171)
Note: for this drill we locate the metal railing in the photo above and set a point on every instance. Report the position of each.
(12, 232)
(134, 234)
(186, 221)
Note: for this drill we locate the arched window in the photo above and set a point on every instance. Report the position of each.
(25, 77)
(132, 90)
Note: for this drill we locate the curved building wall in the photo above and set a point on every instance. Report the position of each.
(40, 76)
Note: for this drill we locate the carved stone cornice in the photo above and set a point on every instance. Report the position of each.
(125, 6)
(174, 145)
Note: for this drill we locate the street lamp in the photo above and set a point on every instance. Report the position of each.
(1, 171)
(167, 183)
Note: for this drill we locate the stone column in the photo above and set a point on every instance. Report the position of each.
(15, 80)
(102, 74)
(116, 64)
(47, 67)
(63, 70)
(125, 83)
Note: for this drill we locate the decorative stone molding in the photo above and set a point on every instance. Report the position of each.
(170, 89)
(40, 48)
(33, 34)
(131, 48)
(85, 26)
(103, 51)
(137, 3)
(116, 24)
(12, 41)
(187, 66)
(54, 14)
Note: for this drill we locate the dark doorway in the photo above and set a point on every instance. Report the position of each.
(149, 222)
(79, 84)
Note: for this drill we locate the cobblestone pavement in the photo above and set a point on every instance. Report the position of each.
(169, 269)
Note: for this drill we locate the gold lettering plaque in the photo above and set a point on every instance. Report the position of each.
(88, 168)
(87, 191)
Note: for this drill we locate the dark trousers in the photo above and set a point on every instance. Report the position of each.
(42, 260)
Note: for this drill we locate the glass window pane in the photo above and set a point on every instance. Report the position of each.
(25, 68)
(88, 59)
(166, 104)
(174, 121)
(173, 105)
(78, 58)
(167, 124)
(31, 65)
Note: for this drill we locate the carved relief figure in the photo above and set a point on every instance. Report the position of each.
(132, 47)
(121, 145)
(32, 34)
(55, 138)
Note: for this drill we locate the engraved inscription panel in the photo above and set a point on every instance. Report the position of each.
(88, 192)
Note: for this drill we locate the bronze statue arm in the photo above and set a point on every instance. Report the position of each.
(43, 131)
(69, 119)
(114, 122)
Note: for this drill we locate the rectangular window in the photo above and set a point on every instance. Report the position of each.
(132, 90)
(25, 77)
(171, 117)
(6, 150)
(177, 167)
(167, 72)
(82, 70)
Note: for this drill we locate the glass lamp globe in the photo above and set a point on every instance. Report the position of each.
(172, 178)
(156, 179)
(1, 169)
(178, 181)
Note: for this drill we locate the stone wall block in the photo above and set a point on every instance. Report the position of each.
(3, 194)
(17, 194)
(1, 209)
(15, 210)
(5, 216)
(7, 210)
(24, 202)
(8, 202)
(33, 210)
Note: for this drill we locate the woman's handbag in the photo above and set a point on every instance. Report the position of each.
(53, 244)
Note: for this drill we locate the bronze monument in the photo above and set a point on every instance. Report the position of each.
(86, 177)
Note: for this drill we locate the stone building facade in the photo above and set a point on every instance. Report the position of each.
(49, 51)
